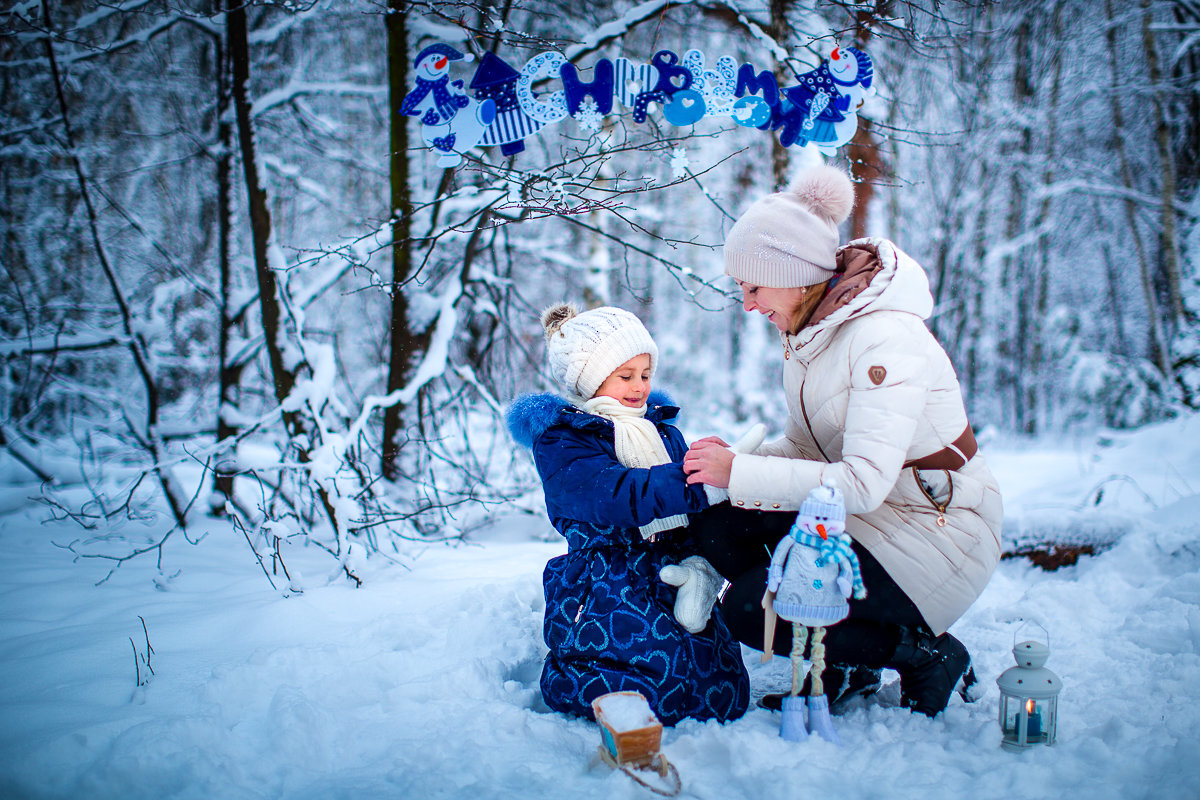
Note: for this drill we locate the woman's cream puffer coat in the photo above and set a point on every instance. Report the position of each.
(868, 389)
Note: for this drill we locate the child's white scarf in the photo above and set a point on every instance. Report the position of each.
(639, 446)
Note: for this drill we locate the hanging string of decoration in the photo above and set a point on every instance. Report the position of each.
(500, 107)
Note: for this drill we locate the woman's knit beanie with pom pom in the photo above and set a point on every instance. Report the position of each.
(790, 238)
(583, 349)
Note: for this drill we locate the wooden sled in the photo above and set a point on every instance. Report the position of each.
(634, 750)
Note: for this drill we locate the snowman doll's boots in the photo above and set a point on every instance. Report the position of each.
(794, 727)
(819, 721)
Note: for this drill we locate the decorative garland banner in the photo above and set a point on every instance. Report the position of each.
(502, 109)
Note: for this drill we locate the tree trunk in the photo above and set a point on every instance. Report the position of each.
(780, 159)
(863, 151)
(866, 167)
(977, 315)
(1116, 298)
(1157, 344)
(260, 214)
(1016, 267)
(1185, 68)
(260, 228)
(228, 375)
(405, 343)
(1036, 390)
(1162, 140)
(598, 283)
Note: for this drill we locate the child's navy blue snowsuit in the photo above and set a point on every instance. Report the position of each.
(609, 622)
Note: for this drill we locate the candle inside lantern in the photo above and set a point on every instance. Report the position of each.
(1033, 725)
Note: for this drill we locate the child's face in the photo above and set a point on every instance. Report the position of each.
(629, 383)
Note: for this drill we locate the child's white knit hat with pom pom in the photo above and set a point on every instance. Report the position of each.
(585, 348)
(790, 239)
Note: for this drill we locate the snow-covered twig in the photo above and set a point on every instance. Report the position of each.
(240, 526)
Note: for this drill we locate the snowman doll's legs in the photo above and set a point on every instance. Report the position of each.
(804, 715)
(793, 727)
(819, 721)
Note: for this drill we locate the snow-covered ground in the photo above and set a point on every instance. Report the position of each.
(423, 683)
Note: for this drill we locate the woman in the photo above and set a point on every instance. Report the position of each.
(875, 407)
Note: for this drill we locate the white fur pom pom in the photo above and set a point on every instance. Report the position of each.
(826, 191)
(554, 317)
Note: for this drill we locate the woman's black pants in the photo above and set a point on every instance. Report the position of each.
(739, 543)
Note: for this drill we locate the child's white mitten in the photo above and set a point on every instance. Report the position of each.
(747, 444)
(699, 584)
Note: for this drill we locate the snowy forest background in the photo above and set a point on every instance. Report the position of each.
(236, 284)
(264, 532)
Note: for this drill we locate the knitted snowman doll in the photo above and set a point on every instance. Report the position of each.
(813, 572)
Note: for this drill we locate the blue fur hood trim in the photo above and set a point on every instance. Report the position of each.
(531, 415)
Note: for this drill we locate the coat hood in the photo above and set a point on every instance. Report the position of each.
(873, 275)
(531, 415)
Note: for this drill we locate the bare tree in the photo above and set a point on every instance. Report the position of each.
(1166, 158)
(1158, 340)
(148, 436)
(864, 151)
(406, 343)
(229, 370)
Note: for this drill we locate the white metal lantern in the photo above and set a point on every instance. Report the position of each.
(1029, 698)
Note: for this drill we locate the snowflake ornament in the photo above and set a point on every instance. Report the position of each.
(679, 162)
(589, 116)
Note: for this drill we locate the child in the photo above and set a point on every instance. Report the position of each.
(610, 463)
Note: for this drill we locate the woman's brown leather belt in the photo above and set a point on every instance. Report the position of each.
(953, 456)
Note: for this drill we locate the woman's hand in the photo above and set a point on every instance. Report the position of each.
(709, 461)
(714, 439)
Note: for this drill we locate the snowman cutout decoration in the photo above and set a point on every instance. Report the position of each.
(452, 122)
(824, 103)
(853, 76)
(813, 573)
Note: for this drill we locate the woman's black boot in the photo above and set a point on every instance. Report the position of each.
(930, 668)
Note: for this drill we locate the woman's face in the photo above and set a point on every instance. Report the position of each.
(778, 305)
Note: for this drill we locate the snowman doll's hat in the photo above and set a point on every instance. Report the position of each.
(824, 505)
